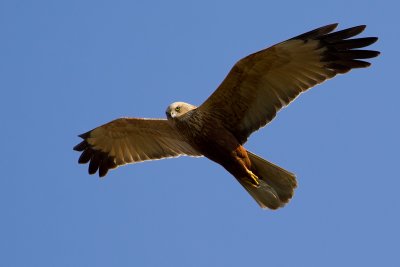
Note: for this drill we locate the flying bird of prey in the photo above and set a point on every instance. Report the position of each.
(256, 88)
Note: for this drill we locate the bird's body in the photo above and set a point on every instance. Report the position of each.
(225, 149)
(256, 88)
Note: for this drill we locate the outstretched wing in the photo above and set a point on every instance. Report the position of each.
(130, 140)
(259, 85)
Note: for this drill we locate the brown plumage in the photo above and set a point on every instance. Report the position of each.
(256, 88)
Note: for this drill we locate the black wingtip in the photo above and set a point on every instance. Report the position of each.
(360, 28)
(93, 165)
(373, 39)
(354, 30)
(317, 32)
(102, 172)
(343, 52)
(332, 26)
(85, 135)
(81, 146)
(99, 161)
(86, 156)
(343, 34)
(327, 28)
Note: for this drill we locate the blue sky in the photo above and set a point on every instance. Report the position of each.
(69, 66)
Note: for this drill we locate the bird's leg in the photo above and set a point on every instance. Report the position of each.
(252, 179)
(244, 165)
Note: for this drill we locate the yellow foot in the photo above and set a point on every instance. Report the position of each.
(253, 179)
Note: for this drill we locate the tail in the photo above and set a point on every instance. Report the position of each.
(276, 184)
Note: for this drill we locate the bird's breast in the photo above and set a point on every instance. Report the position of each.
(208, 136)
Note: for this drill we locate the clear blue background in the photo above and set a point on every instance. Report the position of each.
(69, 66)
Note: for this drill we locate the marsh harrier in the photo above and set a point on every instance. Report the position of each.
(256, 88)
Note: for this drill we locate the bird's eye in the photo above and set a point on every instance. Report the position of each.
(177, 109)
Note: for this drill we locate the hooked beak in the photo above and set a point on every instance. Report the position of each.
(170, 115)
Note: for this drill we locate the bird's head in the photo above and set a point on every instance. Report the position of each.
(177, 109)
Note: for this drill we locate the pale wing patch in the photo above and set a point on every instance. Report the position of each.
(130, 140)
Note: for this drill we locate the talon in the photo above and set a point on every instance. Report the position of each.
(253, 179)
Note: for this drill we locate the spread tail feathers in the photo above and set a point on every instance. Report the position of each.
(276, 184)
